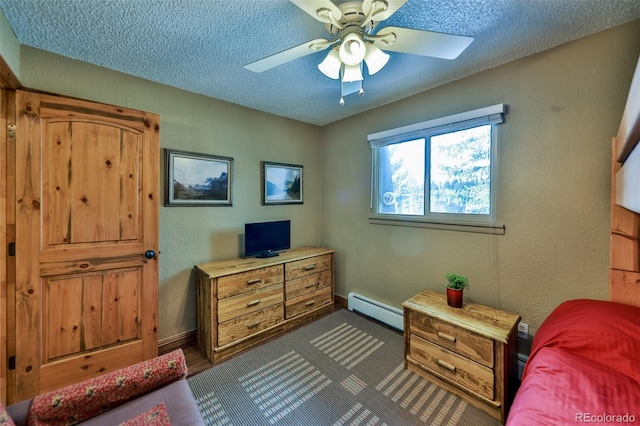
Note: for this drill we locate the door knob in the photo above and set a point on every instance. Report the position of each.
(150, 254)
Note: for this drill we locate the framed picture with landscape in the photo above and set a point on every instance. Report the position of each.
(197, 179)
(281, 183)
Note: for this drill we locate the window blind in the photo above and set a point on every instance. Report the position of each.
(487, 115)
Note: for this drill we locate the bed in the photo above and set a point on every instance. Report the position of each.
(584, 367)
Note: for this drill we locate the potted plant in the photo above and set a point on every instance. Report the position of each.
(456, 283)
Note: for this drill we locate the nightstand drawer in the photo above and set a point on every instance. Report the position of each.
(308, 284)
(456, 368)
(309, 266)
(247, 325)
(233, 307)
(452, 337)
(232, 285)
(308, 302)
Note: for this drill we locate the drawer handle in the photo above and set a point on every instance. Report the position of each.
(254, 281)
(254, 324)
(446, 365)
(253, 303)
(310, 267)
(310, 303)
(311, 285)
(446, 337)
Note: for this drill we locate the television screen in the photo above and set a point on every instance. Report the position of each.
(264, 239)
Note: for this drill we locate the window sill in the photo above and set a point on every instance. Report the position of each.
(478, 228)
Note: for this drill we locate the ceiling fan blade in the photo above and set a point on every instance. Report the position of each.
(424, 43)
(285, 56)
(322, 10)
(382, 9)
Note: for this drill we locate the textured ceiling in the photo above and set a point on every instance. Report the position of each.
(202, 45)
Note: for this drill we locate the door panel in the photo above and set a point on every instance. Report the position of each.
(104, 168)
(86, 212)
(106, 315)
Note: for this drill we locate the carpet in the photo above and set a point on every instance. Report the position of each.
(342, 369)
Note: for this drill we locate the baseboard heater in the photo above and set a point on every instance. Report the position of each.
(379, 311)
(522, 361)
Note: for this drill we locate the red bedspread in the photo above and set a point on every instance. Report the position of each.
(584, 367)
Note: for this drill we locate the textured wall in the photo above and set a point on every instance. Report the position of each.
(189, 122)
(565, 105)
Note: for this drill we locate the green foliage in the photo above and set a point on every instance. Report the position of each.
(461, 183)
(457, 281)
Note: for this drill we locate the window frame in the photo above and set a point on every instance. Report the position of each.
(492, 115)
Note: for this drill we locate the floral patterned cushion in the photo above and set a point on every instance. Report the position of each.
(5, 420)
(156, 416)
(81, 401)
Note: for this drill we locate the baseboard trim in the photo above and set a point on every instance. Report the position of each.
(340, 301)
(179, 340)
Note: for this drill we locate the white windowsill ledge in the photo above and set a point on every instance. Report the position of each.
(479, 228)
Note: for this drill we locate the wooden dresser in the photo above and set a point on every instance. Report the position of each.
(470, 351)
(244, 301)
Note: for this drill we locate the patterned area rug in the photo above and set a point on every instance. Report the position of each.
(342, 369)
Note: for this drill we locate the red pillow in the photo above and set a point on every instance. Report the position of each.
(156, 416)
(5, 420)
(81, 401)
(602, 331)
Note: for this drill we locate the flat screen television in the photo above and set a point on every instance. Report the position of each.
(265, 239)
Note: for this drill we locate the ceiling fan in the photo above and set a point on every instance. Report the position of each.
(354, 40)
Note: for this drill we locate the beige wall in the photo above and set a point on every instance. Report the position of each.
(564, 104)
(9, 46)
(189, 122)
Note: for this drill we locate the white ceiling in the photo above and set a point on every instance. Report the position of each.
(202, 45)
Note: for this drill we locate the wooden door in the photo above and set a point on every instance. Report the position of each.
(86, 291)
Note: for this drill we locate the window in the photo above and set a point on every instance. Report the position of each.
(441, 170)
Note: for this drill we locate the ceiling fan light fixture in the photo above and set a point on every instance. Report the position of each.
(375, 59)
(349, 87)
(355, 42)
(352, 73)
(352, 50)
(330, 66)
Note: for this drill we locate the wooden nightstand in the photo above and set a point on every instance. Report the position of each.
(470, 351)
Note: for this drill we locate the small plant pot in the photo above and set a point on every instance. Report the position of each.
(454, 297)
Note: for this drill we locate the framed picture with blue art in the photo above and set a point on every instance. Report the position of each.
(194, 179)
(281, 183)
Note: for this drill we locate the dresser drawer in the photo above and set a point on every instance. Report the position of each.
(459, 340)
(310, 283)
(466, 373)
(308, 302)
(249, 324)
(243, 282)
(233, 307)
(312, 265)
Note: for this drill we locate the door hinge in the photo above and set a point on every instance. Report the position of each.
(11, 249)
(11, 362)
(11, 131)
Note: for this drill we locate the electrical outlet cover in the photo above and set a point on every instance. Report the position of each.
(523, 330)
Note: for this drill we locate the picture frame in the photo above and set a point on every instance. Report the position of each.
(194, 179)
(281, 183)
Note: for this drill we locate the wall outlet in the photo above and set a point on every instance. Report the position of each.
(523, 330)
